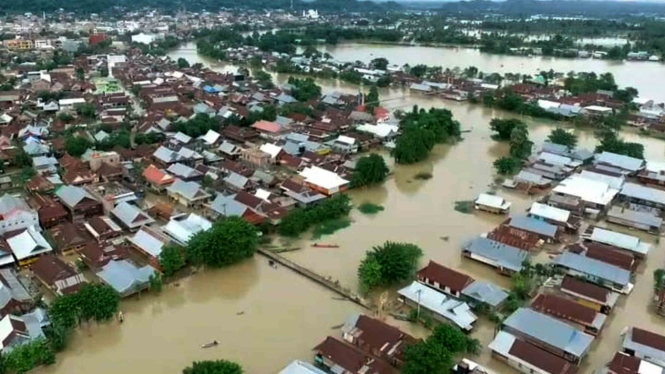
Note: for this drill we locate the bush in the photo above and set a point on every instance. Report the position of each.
(228, 241)
(26, 357)
(369, 170)
(388, 264)
(330, 227)
(300, 220)
(369, 208)
(507, 165)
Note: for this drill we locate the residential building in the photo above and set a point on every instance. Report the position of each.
(605, 253)
(183, 228)
(623, 363)
(481, 292)
(185, 172)
(347, 359)
(15, 331)
(545, 231)
(157, 179)
(636, 193)
(301, 367)
(150, 243)
(56, 275)
(492, 204)
(188, 193)
(125, 277)
(96, 255)
(50, 212)
(640, 220)
(26, 245)
(555, 216)
(644, 344)
(597, 196)
(528, 358)
(131, 217)
(629, 165)
(590, 295)
(629, 243)
(505, 258)
(377, 338)
(585, 318)
(443, 279)
(601, 273)
(102, 228)
(549, 333)
(442, 307)
(79, 203)
(69, 238)
(324, 181)
(14, 297)
(16, 214)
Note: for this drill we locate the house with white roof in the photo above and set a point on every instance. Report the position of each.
(211, 137)
(596, 195)
(16, 214)
(324, 181)
(382, 131)
(636, 193)
(14, 331)
(131, 216)
(187, 193)
(125, 277)
(28, 245)
(492, 204)
(560, 217)
(443, 307)
(630, 165)
(344, 144)
(150, 243)
(183, 228)
(629, 243)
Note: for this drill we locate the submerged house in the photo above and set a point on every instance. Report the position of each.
(442, 307)
(629, 243)
(645, 345)
(527, 357)
(550, 334)
(443, 278)
(601, 273)
(505, 258)
(125, 277)
(586, 318)
(343, 358)
(492, 204)
(599, 298)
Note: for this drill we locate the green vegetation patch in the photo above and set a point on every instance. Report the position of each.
(369, 208)
(330, 227)
(465, 206)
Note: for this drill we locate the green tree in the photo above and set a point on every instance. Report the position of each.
(414, 145)
(65, 117)
(213, 367)
(104, 72)
(610, 142)
(369, 170)
(659, 279)
(76, 145)
(520, 145)
(504, 127)
(171, 260)
(426, 358)
(372, 99)
(264, 79)
(183, 63)
(451, 338)
(28, 356)
(380, 63)
(87, 110)
(156, 282)
(98, 302)
(397, 262)
(506, 165)
(418, 70)
(304, 89)
(227, 242)
(22, 159)
(562, 137)
(80, 73)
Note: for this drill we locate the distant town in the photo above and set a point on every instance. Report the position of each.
(128, 170)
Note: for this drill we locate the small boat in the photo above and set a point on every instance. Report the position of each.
(213, 343)
(320, 245)
(240, 313)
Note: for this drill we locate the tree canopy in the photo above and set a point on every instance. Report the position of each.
(96, 302)
(562, 137)
(506, 165)
(369, 170)
(197, 126)
(213, 367)
(227, 242)
(520, 145)
(372, 99)
(388, 264)
(504, 127)
(76, 145)
(171, 260)
(611, 142)
(304, 89)
(300, 220)
(183, 63)
(421, 131)
(435, 354)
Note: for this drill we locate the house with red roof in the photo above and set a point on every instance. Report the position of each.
(157, 178)
(443, 278)
(271, 130)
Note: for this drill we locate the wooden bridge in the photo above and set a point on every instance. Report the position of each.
(326, 282)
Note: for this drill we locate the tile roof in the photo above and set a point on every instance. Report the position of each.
(446, 277)
(351, 359)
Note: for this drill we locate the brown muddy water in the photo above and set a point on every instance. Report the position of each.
(286, 315)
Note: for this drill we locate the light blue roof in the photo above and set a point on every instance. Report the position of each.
(228, 206)
(550, 330)
(595, 268)
(124, 276)
(503, 255)
(533, 225)
(301, 367)
(485, 292)
(621, 161)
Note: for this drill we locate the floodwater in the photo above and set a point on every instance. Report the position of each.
(286, 315)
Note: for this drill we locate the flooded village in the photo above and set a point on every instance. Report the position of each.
(131, 155)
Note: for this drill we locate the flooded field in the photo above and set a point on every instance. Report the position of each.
(286, 315)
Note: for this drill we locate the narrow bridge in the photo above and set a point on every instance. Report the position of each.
(326, 282)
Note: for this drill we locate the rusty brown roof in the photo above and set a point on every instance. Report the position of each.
(624, 364)
(352, 359)
(445, 276)
(67, 235)
(561, 307)
(541, 358)
(649, 338)
(49, 268)
(381, 336)
(589, 290)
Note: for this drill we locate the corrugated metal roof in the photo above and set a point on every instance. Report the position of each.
(621, 161)
(617, 239)
(636, 191)
(452, 309)
(550, 330)
(503, 255)
(124, 276)
(549, 212)
(594, 268)
(485, 292)
(533, 225)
